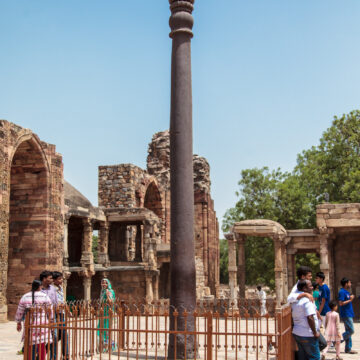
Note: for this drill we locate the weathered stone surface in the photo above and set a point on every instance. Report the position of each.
(31, 212)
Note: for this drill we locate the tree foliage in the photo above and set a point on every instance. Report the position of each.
(330, 170)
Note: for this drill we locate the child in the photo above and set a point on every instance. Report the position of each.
(332, 328)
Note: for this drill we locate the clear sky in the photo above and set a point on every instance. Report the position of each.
(93, 78)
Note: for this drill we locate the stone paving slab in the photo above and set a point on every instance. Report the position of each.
(10, 343)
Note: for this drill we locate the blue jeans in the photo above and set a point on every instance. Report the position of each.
(308, 347)
(349, 330)
(60, 334)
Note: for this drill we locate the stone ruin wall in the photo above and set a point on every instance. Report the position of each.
(342, 222)
(36, 209)
(125, 185)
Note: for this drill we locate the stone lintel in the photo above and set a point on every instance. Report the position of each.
(334, 223)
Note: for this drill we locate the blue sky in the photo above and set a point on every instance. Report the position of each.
(93, 77)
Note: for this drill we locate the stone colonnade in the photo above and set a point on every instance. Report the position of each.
(286, 245)
(148, 243)
(237, 270)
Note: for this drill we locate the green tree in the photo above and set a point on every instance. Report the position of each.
(224, 262)
(95, 244)
(273, 195)
(328, 171)
(333, 167)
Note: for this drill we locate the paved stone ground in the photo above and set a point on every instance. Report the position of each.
(10, 343)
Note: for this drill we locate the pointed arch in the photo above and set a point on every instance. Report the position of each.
(152, 200)
(28, 217)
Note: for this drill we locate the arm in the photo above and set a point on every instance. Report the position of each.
(343, 303)
(311, 323)
(19, 314)
(338, 325)
(326, 319)
(321, 305)
(295, 296)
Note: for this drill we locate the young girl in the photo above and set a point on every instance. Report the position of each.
(332, 329)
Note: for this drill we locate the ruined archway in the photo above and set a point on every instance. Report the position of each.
(152, 200)
(28, 220)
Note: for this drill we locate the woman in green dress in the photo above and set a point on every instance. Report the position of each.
(107, 298)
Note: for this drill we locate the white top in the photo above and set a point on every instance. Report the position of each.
(300, 311)
(294, 294)
(262, 295)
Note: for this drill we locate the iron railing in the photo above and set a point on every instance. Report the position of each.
(138, 330)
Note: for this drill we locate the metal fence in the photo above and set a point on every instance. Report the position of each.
(137, 330)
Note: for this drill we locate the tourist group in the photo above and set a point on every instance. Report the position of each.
(316, 320)
(48, 293)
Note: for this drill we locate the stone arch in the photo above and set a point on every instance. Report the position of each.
(152, 200)
(28, 217)
(258, 228)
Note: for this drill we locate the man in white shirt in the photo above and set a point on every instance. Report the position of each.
(306, 325)
(262, 298)
(303, 273)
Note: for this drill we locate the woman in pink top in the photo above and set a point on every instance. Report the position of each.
(332, 329)
(40, 336)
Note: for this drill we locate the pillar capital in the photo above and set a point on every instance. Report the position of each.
(181, 20)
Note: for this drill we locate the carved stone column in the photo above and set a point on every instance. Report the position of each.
(278, 270)
(87, 257)
(103, 254)
(232, 268)
(66, 241)
(182, 253)
(127, 243)
(291, 268)
(66, 275)
(284, 273)
(87, 288)
(324, 254)
(241, 267)
(149, 287)
(205, 241)
(139, 240)
(156, 286)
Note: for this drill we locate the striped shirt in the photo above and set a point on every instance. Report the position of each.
(40, 334)
(51, 293)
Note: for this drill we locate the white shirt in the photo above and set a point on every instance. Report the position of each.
(262, 295)
(294, 294)
(300, 311)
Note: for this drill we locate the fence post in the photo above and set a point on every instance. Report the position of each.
(280, 352)
(209, 335)
(27, 333)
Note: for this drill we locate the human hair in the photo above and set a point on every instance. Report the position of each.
(303, 271)
(332, 304)
(320, 275)
(56, 275)
(344, 281)
(301, 285)
(35, 286)
(258, 287)
(315, 285)
(44, 274)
